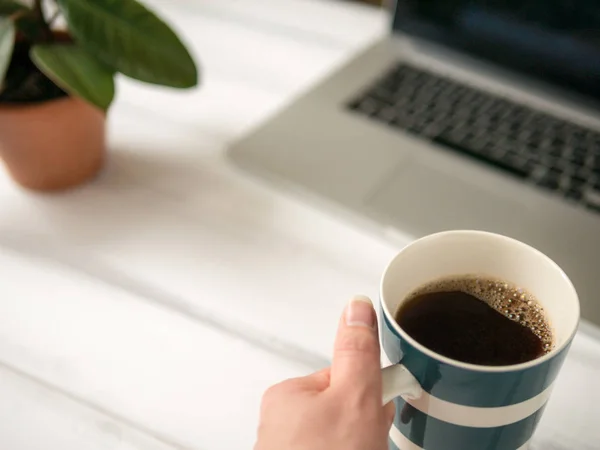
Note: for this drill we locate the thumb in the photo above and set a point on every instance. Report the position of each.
(356, 363)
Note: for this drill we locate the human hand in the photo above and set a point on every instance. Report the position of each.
(338, 408)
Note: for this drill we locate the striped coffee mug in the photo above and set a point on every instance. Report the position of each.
(444, 404)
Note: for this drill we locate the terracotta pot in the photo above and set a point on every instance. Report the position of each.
(52, 145)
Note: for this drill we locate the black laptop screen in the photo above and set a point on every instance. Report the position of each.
(555, 40)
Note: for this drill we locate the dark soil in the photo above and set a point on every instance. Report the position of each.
(25, 83)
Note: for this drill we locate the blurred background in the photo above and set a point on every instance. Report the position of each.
(193, 191)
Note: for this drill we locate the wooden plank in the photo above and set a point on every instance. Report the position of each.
(37, 417)
(329, 23)
(217, 111)
(139, 361)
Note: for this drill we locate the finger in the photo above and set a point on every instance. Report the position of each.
(356, 362)
(390, 412)
(407, 413)
(316, 382)
(313, 383)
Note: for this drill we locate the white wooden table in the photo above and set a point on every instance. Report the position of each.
(150, 309)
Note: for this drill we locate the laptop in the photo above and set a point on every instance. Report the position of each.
(471, 114)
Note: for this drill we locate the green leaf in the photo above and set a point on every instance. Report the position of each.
(7, 41)
(76, 71)
(131, 39)
(10, 7)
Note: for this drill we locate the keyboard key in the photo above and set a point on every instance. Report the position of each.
(550, 180)
(580, 177)
(387, 115)
(577, 159)
(573, 195)
(520, 172)
(592, 198)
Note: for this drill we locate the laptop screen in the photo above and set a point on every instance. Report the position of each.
(555, 40)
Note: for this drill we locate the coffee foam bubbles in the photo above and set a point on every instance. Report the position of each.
(509, 300)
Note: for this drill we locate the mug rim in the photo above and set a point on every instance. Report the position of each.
(469, 366)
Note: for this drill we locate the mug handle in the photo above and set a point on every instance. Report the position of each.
(397, 380)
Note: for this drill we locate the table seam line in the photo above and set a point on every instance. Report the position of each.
(94, 407)
(143, 292)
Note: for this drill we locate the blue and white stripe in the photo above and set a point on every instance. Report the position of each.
(465, 409)
(398, 441)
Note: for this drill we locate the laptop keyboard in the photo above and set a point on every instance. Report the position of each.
(553, 154)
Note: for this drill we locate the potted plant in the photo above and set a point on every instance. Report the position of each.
(56, 85)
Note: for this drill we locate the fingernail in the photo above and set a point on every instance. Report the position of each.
(360, 312)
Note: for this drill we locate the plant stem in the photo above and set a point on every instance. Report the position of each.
(16, 16)
(39, 12)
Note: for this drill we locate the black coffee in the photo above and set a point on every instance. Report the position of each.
(477, 320)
